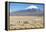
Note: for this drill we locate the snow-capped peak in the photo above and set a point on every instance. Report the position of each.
(32, 6)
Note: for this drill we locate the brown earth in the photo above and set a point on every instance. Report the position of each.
(22, 22)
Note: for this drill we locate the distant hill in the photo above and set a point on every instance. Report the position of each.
(27, 12)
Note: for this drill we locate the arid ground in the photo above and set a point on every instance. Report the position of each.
(25, 22)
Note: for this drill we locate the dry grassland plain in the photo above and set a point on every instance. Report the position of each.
(25, 22)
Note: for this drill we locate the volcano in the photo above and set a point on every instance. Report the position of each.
(27, 12)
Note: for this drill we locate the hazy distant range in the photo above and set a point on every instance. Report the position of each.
(27, 12)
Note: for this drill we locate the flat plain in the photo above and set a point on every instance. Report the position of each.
(26, 22)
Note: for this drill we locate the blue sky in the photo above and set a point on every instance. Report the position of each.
(18, 6)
